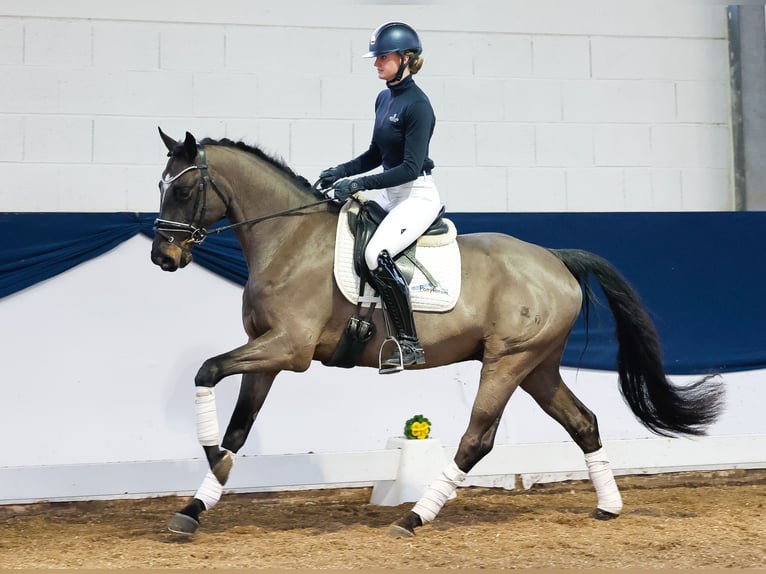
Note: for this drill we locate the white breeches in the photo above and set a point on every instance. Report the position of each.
(412, 207)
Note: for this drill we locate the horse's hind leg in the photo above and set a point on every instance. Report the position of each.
(547, 388)
(252, 394)
(499, 378)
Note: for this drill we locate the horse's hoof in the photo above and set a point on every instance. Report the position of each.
(222, 468)
(183, 524)
(405, 527)
(600, 514)
(397, 531)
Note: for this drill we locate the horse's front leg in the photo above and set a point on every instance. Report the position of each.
(252, 394)
(272, 352)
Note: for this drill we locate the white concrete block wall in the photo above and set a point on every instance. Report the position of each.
(542, 106)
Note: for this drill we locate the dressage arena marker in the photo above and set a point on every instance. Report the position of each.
(420, 462)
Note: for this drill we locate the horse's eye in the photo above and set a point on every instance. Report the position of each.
(182, 192)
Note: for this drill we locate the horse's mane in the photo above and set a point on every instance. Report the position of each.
(300, 181)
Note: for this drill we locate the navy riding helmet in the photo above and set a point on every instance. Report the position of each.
(393, 37)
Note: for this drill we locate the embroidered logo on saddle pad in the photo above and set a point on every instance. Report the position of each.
(438, 254)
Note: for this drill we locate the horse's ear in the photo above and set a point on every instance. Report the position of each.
(190, 147)
(169, 142)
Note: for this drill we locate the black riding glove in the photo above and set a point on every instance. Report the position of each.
(331, 175)
(346, 188)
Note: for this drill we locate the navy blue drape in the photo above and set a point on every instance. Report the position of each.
(701, 276)
(37, 246)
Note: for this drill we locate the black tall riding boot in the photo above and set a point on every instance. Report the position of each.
(395, 293)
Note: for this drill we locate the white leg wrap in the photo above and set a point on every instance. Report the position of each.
(600, 473)
(438, 493)
(209, 491)
(207, 417)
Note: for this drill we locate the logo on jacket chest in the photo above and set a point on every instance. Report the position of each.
(394, 119)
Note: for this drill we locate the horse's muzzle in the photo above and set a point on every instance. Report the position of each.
(170, 257)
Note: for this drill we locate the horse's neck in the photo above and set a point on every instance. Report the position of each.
(267, 193)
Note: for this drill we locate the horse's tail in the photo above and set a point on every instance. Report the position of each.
(664, 408)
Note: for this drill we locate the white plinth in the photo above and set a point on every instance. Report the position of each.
(421, 461)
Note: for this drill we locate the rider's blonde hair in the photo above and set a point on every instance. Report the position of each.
(415, 63)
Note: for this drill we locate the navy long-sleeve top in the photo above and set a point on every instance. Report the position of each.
(404, 124)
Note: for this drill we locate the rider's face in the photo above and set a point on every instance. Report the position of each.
(387, 65)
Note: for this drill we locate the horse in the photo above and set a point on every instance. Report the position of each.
(517, 306)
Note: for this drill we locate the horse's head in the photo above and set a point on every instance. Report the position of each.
(185, 208)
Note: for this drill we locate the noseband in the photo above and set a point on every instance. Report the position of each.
(197, 233)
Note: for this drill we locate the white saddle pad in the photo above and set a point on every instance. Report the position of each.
(438, 254)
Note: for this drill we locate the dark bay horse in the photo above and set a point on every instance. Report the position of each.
(517, 306)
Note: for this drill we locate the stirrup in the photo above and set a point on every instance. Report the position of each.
(396, 362)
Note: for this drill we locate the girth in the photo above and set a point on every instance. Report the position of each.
(363, 225)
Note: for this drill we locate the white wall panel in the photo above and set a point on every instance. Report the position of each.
(448, 53)
(362, 134)
(666, 190)
(221, 95)
(690, 146)
(590, 77)
(527, 101)
(564, 145)
(126, 46)
(501, 55)
(647, 58)
(473, 188)
(58, 139)
(309, 143)
(588, 17)
(638, 184)
(506, 144)
(480, 100)
(29, 91)
(703, 102)
(347, 97)
(699, 187)
(125, 140)
(604, 186)
(12, 141)
(11, 41)
(561, 57)
(457, 143)
(623, 101)
(198, 48)
(284, 95)
(537, 189)
(58, 43)
(622, 145)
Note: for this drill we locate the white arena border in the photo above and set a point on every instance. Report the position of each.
(532, 463)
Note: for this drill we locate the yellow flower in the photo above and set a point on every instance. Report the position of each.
(420, 430)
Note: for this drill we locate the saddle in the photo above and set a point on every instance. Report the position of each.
(363, 224)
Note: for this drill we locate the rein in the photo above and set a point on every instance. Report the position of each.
(197, 233)
(263, 218)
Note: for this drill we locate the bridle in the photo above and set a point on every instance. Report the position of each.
(198, 233)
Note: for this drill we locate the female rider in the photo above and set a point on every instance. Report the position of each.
(404, 124)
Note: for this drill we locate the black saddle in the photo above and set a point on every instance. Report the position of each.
(363, 225)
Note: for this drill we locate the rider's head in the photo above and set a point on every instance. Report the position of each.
(399, 38)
